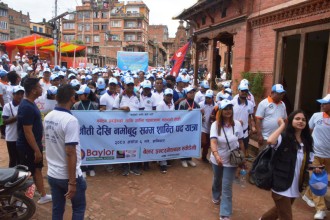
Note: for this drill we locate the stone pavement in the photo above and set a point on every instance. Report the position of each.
(182, 193)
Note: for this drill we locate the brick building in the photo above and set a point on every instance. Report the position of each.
(158, 34)
(4, 22)
(19, 24)
(107, 28)
(287, 41)
(42, 28)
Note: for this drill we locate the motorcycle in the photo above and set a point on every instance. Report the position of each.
(16, 193)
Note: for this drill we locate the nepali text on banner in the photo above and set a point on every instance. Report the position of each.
(112, 137)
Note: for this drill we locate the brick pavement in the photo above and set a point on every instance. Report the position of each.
(182, 193)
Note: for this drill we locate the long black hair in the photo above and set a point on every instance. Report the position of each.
(305, 133)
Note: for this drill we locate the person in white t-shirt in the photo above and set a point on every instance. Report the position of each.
(200, 95)
(207, 107)
(294, 153)
(224, 131)
(158, 93)
(107, 99)
(320, 125)
(147, 98)
(63, 156)
(268, 112)
(9, 116)
(165, 105)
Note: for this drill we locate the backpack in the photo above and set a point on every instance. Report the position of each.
(262, 169)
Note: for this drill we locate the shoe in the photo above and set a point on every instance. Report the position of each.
(215, 201)
(163, 169)
(136, 172)
(224, 218)
(320, 214)
(84, 174)
(184, 163)
(309, 202)
(191, 163)
(92, 173)
(45, 199)
(205, 160)
(110, 168)
(125, 173)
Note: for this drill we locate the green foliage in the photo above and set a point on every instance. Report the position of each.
(256, 81)
(77, 42)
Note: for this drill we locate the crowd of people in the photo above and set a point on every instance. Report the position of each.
(227, 122)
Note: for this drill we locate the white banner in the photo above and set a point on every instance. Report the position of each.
(111, 137)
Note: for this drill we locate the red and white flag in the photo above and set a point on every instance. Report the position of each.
(178, 59)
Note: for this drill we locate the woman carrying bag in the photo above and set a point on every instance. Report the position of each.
(293, 154)
(226, 135)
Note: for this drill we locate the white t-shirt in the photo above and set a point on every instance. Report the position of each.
(108, 100)
(162, 106)
(10, 110)
(250, 97)
(9, 93)
(242, 112)
(61, 128)
(293, 191)
(199, 97)
(3, 91)
(148, 102)
(269, 113)
(158, 96)
(320, 123)
(223, 149)
(206, 125)
(132, 102)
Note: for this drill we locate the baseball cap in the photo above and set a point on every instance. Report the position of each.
(243, 86)
(129, 80)
(17, 89)
(47, 70)
(57, 68)
(53, 77)
(245, 81)
(223, 95)
(168, 91)
(325, 100)
(74, 82)
(205, 84)
(318, 183)
(226, 84)
(29, 68)
(186, 79)
(224, 103)
(83, 77)
(52, 90)
(209, 93)
(88, 77)
(277, 88)
(228, 90)
(71, 75)
(3, 72)
(113, 80)
(189, 89)
(178, 79)
(100, 84)
(84, 89)
(146, 84)
(116, 74)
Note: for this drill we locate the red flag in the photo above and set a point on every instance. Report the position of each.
(178, 58)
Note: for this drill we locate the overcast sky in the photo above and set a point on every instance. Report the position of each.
(161, 11)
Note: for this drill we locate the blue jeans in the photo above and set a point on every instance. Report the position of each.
(222, 188)
(59, 187)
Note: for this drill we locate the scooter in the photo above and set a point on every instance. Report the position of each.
(16, 193)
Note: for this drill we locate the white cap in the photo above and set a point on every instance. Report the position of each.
(209, 93)
(168, 91)
(100, 84)
(129, 80)
(224, 103)
(325, 100)
(17, 89)
(113, 80)
(189, 89)
(146, 84)
(52, 90)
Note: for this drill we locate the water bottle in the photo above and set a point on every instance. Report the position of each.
(243, 177)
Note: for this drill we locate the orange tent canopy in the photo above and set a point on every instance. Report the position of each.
(42, 43)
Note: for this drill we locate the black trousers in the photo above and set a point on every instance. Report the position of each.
(13, 153)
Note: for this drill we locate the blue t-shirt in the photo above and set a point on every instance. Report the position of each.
(28, 114)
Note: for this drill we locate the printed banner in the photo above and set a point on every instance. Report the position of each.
(132, 61)
(112, 137)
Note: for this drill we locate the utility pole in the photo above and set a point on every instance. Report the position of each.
(56, 34)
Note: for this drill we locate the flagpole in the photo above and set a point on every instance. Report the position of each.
(74, 57)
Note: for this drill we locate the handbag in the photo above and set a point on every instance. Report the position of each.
(236, 156)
